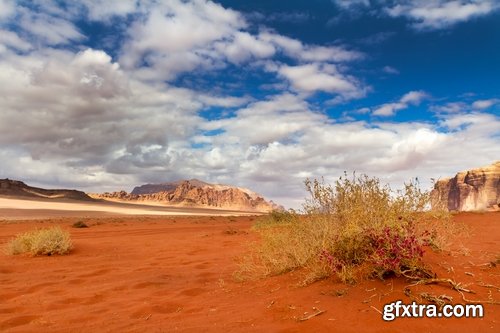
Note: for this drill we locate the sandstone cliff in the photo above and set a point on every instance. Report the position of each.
(476, 189)
(194, 193)
(16, 188)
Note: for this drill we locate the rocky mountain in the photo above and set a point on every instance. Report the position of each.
(195, 193)
(476, 189)
(16, 188)
(165, 187)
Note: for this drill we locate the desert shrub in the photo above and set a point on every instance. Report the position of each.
(275, 218)
(80, 224)
(46, 241)
(353, 229)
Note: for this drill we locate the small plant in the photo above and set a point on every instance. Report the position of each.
(46, 241)
(80, 224)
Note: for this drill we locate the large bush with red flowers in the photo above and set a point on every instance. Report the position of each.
(353, 229)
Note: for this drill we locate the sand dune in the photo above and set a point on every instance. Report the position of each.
(12, 208)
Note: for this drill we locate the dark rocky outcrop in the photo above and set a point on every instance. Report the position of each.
(16, 188)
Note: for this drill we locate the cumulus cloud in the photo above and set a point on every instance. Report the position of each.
(293, 142)
(75, 116)
(315, 77)
(439, 14)
(410, 98)
(179, 36)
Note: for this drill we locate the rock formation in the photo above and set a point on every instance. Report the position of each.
(476, 189)
(16, 188)
(195, 193)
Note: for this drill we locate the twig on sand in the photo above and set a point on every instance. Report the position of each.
(480, 302)
(489, 286)
(439, 300)
(149, 316)
(314, 314)
(490, 264)
(455, 285)
(374, 308)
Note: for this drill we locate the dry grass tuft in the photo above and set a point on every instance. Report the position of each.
(46, 241)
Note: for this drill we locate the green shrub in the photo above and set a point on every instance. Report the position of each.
(46, 241)
(354, 229)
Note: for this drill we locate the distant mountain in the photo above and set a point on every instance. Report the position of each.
(476, 189)
(195, 193)
(165, 187)
(16, 188)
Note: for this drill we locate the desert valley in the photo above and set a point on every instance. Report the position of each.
(168, 268)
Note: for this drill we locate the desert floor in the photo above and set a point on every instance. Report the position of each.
(176, 274)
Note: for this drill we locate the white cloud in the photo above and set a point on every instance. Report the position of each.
(297, 50)
(390, 70)
(293, 142)
(348, 4)
(452, 107)
(410, 98)
(7, 8)
(245, 46)
(102, 10)
(316, 77)
(439, 14)
(413, 97)
(180, 36)
(50, 29)
(484, 103)
(12, 40)
(463, 107)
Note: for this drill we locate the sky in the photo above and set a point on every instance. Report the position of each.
(104, 95)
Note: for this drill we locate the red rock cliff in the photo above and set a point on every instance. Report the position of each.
(476, 189)
(195, 193)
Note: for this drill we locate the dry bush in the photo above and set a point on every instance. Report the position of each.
(354, 229)
(46, 241)
(79, 224)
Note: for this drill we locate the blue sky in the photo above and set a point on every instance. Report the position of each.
(106, 95)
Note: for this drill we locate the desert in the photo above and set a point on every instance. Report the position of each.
(176, 274)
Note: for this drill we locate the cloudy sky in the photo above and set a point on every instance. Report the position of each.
(104, 95)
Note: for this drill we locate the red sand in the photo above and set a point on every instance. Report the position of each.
(175, 274)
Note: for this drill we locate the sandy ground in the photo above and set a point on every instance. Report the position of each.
(13, 208)
(175, 274)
